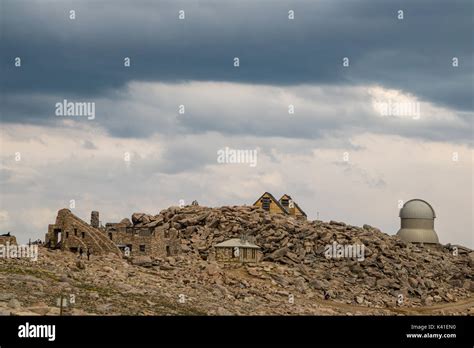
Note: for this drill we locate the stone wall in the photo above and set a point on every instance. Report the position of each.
(158, 241)
(95, 219)
(153, 238)
(72, 234)
(8, 239)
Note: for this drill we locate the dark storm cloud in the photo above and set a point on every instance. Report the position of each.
(84, 57)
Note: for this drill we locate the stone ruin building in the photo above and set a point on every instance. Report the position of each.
(123, 238)
(142, 237)
(7, 238)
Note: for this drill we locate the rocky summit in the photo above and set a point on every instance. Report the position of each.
(306, 268)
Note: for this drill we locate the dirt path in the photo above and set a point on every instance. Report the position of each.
(460, 307)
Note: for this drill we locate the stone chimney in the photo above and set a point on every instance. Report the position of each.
(95, 219)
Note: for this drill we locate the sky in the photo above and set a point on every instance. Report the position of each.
(352, 108)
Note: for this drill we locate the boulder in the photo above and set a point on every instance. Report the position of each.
(213, 269)
(318, 284)
(136, 217)
(277, 254)
(143, 261)
(80, 265)
(14, 303)
(6, 296)
(125, 222)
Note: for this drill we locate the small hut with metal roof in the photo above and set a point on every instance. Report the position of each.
(417, 222)
(237, 250)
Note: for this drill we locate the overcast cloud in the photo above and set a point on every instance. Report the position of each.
(282, 62)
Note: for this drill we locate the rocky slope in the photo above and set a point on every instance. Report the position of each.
(294, 277)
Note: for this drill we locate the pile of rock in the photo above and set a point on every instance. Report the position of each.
(295, 276)
(392, 271)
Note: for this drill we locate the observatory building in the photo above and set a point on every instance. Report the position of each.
(417, 222)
